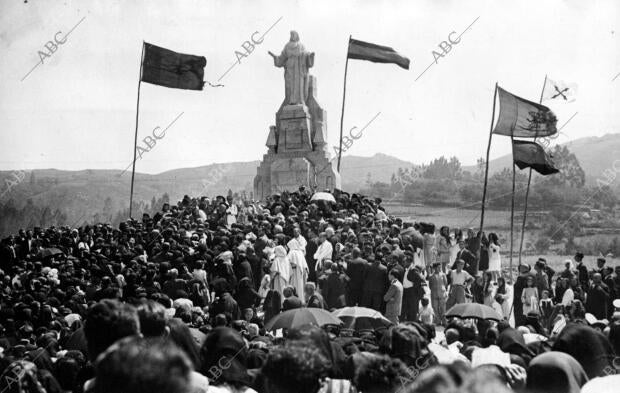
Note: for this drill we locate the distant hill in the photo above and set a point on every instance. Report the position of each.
(82, 193)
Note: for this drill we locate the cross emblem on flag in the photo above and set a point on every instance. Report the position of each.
(558, 90)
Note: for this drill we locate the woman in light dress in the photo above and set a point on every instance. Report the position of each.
(443, 247)
(429, 251)
(455, 238)
(503, 298)
(495, 260)
(488, 290)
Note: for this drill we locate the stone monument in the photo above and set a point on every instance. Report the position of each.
(297, 145)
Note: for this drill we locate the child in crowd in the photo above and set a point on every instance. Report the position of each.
(426, 313)
(529, 297)
(546, 307)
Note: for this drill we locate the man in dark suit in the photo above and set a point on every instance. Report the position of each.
(413, 293)
(311, 247)
(256, 266)
(582, 270)
(473, 243)
(333, 288)
(393, 297)
(356, 269)
(466, 255)
(261, 242)
(244, 268)
(375, 284)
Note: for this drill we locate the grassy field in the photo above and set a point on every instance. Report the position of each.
(454, 217)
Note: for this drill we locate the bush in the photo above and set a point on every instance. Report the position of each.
(542, 245)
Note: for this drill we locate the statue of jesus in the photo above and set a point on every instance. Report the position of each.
(296, 62)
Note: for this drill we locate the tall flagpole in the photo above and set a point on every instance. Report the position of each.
(527, 190)
(344, 93)
(135, 143)
(486, 171)
(512, 207)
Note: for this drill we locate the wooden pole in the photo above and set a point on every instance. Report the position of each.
(512, 206)
(527, 190)
(486, 171)
(344, 93)
(135, 143)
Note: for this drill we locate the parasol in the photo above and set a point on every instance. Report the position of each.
(323, 196)
(361, 318)
(473, 310)
(298, 317)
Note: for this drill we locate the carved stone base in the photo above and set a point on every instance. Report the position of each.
(288, 171)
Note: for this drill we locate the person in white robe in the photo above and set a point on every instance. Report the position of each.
(280, 270)
(323, 253)
(299, 267)
(231, 214)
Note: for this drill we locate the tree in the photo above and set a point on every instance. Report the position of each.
(571, 173)
(604, 197)
(480, 168)
(107, 209)
(542, 245)
(441, 168)
(32, 178)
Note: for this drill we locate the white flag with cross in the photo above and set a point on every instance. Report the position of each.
(560, 91)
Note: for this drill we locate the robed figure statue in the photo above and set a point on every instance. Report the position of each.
(296, 62)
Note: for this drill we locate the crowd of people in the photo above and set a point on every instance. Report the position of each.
(178, 302)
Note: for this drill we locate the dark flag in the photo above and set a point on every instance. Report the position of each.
(531, 154)
(164, 67)
(522, 118)
(361, 50)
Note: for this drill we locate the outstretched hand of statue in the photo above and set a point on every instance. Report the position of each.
(272, 54)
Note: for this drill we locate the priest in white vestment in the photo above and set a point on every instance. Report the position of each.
(323, 253)
(280, 270)
(299, 267)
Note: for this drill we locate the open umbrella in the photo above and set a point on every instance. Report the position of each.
(48, 252)
(298, 317)
(361, 318)
(473, 310)
(323, 196)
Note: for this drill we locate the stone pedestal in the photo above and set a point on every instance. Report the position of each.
(298, 153)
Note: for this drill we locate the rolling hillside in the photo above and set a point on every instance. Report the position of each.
(81, 193)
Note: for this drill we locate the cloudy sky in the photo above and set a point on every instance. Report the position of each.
(77, 109)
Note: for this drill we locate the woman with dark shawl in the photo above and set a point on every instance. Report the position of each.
(408, 343)
(555, 372)
(510, 340)
(588, 346)
(517, 303)
(318, 338)
(223, 360)
(246, 296)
